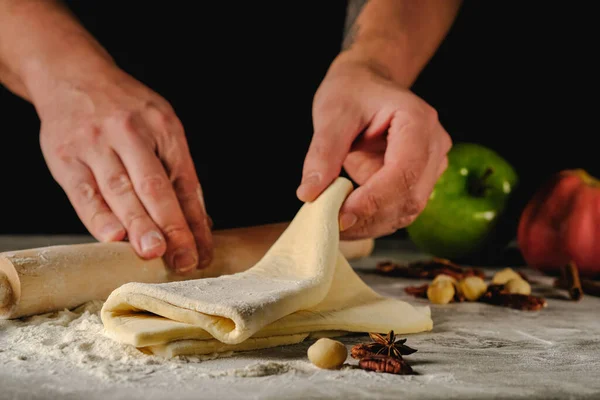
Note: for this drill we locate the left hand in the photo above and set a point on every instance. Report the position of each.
(396, 160)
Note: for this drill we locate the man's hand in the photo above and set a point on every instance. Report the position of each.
(388, 140)
(116, 147)
(120, 153)
(366, 119)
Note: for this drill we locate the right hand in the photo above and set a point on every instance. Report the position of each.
(120, 154)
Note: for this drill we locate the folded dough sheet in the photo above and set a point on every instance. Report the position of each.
(302, 287)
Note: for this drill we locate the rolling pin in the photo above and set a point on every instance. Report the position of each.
(46, 279)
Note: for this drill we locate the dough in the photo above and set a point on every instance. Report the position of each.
(303, 286)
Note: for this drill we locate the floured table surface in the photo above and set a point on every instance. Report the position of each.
(475, 351)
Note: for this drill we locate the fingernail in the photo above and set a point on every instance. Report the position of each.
(151, 240)
(210, 221)
(310, 180)
(347, 220)
(184, 260)
(111, 231)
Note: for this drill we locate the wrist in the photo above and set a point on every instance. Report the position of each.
(42, 43)
(388, 58)
(398, 36)
(43, 73)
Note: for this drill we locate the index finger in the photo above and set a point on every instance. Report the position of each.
(156, 193)
(174, 153)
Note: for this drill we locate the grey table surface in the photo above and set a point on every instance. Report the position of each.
(475, 351)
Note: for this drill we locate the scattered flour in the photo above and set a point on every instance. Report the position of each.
(75, 339)
(475, 351)
(71, 339)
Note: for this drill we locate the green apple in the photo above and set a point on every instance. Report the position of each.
(463, 216)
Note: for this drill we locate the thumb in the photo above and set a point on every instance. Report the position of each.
(330, 144)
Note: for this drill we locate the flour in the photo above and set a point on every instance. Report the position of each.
(75, 339)
(264, 369)
(475, 351)
(71, 338)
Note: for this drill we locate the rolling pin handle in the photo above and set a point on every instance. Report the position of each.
(6, 293)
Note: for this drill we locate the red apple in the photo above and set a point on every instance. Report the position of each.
(561, 223)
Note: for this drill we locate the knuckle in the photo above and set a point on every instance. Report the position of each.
(126, 124)
(132, 218)
(409, 178)
(176, 231)
(420, 114)
(157, 103)
(325, 104)
(86, 193)
(440, 144)
(153, 185)
(372, 207)
(403, 222)
(162, 115)
(412, 205)
(98, 216)
(91, 131)
(119, 184)
(126, 120)
(430, 113)
(167, 118)
(65, 152)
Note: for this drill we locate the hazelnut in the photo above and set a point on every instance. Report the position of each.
(503, 276)
(327, 353)
(472, 287)
(441, 292)
(444, 277)
(518, 286)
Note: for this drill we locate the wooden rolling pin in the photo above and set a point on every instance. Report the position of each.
(46, 279)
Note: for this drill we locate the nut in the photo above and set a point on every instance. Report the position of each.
(503, 276)
(444, 277)
(518, 286)
(383, 363)
(441, 292)
(327, 353)
(472, 287)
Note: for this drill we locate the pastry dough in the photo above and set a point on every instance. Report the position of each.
(303, 286)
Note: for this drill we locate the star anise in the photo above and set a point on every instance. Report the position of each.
(382, 345)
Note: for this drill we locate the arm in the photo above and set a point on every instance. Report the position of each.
(38, 37)
(366, 120)
(397, 37)
(116, 147)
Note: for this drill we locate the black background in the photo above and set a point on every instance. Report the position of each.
(517, 76)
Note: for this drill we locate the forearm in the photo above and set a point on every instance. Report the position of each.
(398, 37)
(39, 39)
